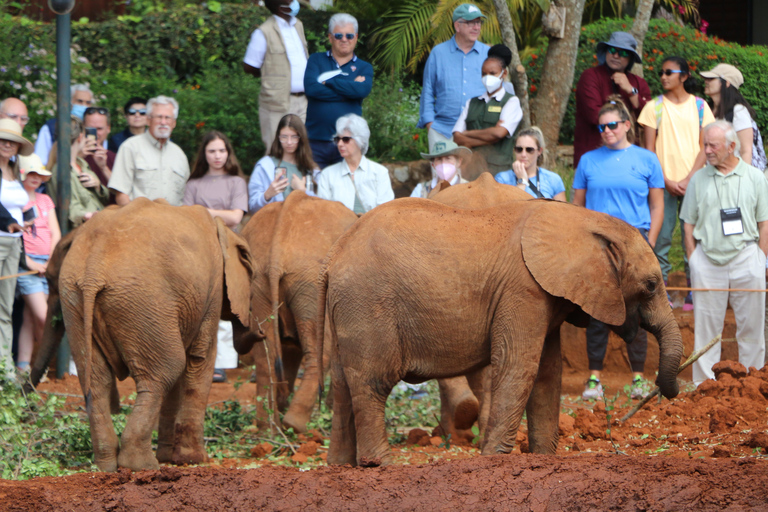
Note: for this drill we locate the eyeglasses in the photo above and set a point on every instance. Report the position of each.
(339, 37)
(338, 139)
(520, 149)
(476, 21)
(16, 117)
(96, 110)
(622, 53)
(134, 111)
(669, 72)
(289, 138)
(611, 126)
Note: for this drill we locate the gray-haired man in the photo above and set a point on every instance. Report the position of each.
(82, 98)
(150, 165)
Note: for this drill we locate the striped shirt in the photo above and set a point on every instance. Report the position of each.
(39, 243)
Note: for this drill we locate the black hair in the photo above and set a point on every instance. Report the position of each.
(133, 101)
(729, 98)
(273, 6)
(690, 83)
(500, 53)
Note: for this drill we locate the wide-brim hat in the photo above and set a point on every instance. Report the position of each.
(622, 41)
(11, 130)
(729, 73)
(32, 163)
(444, 148)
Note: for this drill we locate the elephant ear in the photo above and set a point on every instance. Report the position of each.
(238, 271)
(577, 255)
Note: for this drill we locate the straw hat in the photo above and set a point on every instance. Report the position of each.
(11, 130)
(32, 163)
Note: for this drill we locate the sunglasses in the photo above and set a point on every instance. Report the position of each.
(339, 37)
(134, 111)
(520, 149)
(345, 140)
(669, 72)
(611, 126)
(622, 53)
(96, 110)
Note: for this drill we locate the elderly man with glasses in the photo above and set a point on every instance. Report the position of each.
(82, 98)
(135, 111)
(336, 82)
(616, 57)
(150, 165)
(14, 108)
(453, 75)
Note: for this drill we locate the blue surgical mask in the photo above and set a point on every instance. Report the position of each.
(294, 8)
(78, 111)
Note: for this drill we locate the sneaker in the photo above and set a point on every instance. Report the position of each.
(640, 388)
(593, 390)
(219, 375)
(420, 394)
(688, 305)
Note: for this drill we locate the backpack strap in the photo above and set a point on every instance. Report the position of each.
(700, 108)
(658, 103)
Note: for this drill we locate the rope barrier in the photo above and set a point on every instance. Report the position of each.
(682, 289)
(27, 273)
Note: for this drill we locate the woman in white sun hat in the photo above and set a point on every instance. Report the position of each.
(13, 198)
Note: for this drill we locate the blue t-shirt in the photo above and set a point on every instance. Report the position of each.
(549, 183)
(618, 181)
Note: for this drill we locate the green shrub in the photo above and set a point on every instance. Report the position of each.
(662, 40)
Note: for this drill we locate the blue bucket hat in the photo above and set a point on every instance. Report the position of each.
(622, 41)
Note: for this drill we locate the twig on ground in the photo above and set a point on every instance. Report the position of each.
(693, 357)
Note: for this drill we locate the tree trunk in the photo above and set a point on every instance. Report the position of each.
(518, 75)
(548, 108)
(640, 28)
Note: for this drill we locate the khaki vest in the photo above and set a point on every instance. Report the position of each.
(276, 69)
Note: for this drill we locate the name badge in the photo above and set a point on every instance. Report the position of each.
(731, 220)
(494, 109)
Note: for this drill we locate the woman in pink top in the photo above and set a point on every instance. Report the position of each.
(38, 245)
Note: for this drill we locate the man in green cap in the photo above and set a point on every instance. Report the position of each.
(453, 74)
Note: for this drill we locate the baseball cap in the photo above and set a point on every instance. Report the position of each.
(727, 72)
(467, 12)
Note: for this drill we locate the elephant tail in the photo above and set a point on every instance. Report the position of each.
(275, 346)
(322, 293)
(89, 303)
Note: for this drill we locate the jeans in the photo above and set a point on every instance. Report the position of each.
(672, 206)
(324, 153)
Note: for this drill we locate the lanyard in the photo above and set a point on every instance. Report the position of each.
(533, 187)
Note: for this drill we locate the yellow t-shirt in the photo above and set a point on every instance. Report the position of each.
(677, 137)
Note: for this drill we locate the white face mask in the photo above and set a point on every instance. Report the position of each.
(492, 82)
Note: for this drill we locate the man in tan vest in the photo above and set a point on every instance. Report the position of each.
(278, 54)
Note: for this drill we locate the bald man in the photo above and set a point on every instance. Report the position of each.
(14, 108)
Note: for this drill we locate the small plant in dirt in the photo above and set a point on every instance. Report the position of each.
(404, 411)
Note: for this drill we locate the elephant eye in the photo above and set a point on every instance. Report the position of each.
(651, 285)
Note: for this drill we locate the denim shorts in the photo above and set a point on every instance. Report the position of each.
(33, 283)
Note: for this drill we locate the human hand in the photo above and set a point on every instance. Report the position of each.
(88, 181)
(672, 187)
(40, 268)
(621, 80)
(90, 147)
(683, 185)
(519, 168)
(100, 156)
(88, 215)
(16, 228)
(360, 79)
(278, 185)
(298, 183)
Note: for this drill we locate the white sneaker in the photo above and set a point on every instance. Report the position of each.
(593, 390)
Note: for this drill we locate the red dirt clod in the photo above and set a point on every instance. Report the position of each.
(565, 425)
(309, 449)
(721, 452)
(722, 420)
(299, 458)
(415, 435)
(261, 450)
(435, 441)
(733, 368)
(757, 440)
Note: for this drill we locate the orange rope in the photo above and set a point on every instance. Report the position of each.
(28, 273)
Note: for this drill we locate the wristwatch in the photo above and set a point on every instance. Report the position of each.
(522, 181)
(634, 91)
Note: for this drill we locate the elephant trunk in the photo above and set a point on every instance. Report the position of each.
(52, 335)
(670, 341)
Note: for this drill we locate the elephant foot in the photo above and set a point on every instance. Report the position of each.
(189, 456)
(297, 420)
(108, 466)
(339, 457)
(466, 412)
(137, 460)
(164, 452)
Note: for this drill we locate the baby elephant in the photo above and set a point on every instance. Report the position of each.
(142, 289)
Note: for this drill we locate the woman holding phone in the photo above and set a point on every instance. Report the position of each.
(287, 167)
(217, 183)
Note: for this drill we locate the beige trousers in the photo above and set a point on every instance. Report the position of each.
(10, 250)
(268, 119)
(746, 270)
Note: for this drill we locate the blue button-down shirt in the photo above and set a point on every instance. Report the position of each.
(451, 78)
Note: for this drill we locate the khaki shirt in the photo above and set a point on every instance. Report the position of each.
(85, 200)
(708, 192)
(144, 168)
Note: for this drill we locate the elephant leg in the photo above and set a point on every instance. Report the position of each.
(515, 352)
(103, 436)
(459, 407)
(167, 424)
(543, 408)
(480, 384)
(368, 404)
(292, 356)
(197, 378)
(343, 447)
(114, 397)
(305, 396)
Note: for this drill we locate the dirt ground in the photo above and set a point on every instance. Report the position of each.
(704, 450)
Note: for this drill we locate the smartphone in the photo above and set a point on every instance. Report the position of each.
(30, 214)
(280, 172)
(90, 133)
